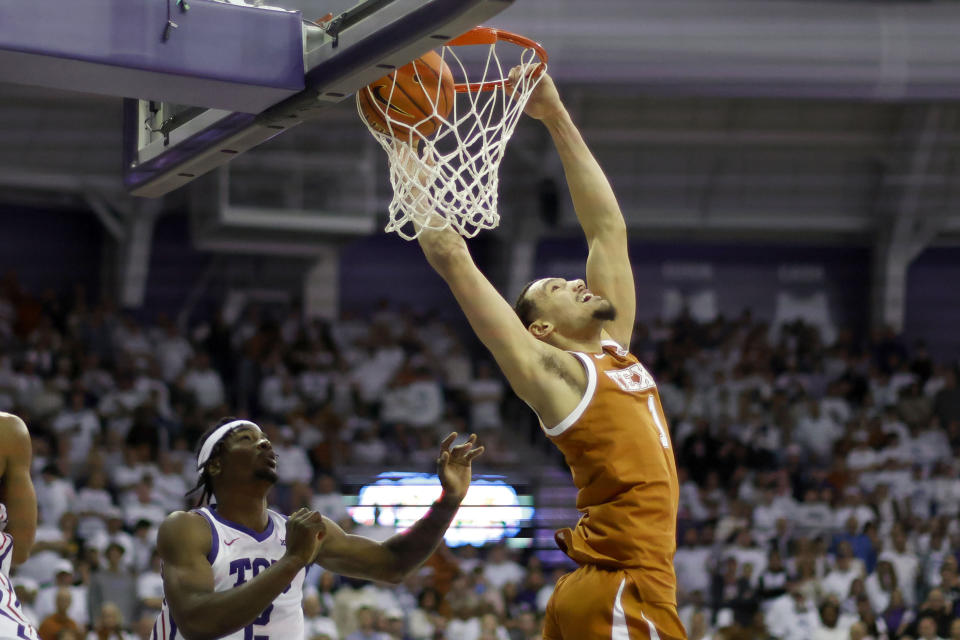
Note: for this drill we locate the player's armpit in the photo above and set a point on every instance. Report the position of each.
(183, 542)
(18, 492)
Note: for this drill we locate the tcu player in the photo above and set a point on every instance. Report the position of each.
(563, 349)
(235, 569)
(18, 521)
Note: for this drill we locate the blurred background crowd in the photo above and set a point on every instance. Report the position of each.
(819, 488)
(796, 158)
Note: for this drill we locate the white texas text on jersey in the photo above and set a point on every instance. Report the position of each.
(632, 379)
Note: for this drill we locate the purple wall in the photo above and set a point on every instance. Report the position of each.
(933, 301)
(51, 249)
(175, 266)
(384, 266)
(742, 275)
(178, 270)
(54, 249)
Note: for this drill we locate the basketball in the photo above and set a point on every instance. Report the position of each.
(416, 95)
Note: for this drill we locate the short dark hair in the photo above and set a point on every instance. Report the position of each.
(205, 482)
(525, 307)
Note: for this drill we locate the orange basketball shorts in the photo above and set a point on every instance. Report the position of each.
(592, 603)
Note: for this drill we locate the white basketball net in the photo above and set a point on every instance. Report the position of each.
(452, 179)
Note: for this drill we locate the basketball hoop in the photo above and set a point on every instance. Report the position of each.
(449, 177)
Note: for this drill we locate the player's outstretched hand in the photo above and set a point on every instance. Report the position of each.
(453, 466)
(544, 101)
(305, 529)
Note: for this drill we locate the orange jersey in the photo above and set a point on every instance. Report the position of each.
(617, 445)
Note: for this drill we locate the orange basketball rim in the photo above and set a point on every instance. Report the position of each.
(444, 169)
(491, 36)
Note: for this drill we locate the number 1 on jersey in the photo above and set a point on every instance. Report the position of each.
(652, 405)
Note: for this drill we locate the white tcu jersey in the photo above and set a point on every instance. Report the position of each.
(13, 624)
(237, 555)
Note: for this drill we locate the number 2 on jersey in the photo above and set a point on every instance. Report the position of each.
(261, 621)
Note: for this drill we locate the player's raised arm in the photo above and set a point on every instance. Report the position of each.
(520, 356)
(393, 559)
(17, 488)
(201, 613)
(493, 320)
(609, 272)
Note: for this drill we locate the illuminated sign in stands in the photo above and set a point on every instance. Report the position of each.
(491, 511)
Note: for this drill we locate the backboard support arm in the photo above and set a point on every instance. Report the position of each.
(381, 36)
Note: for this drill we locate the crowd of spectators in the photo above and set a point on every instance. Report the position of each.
(819, 493)
(115, 407)
(819, 489)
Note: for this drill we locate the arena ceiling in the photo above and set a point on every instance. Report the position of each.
(712, 117)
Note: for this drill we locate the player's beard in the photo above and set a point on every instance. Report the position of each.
(266, 474)
(605, 313)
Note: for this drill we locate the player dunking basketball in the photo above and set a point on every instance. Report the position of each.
(564, 351)
(18, 521)
(235, 570)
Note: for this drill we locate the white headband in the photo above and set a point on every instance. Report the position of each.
(216, 437)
